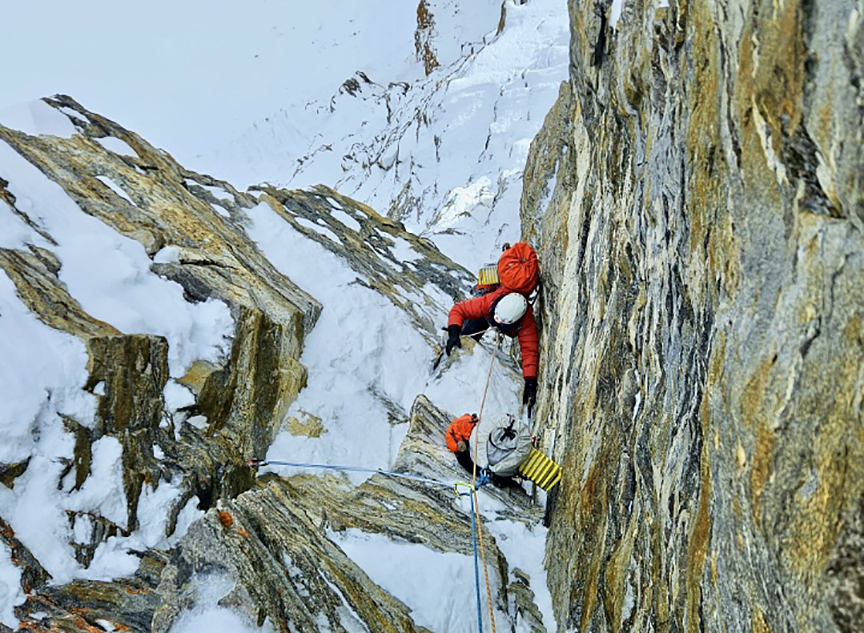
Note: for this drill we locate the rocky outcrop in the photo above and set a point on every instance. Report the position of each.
(167, 206)
(276, 543)
(424, 36)
(275, 539)
(696, 198)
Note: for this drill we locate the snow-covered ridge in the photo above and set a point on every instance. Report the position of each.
(171, 322)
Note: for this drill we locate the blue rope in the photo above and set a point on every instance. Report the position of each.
(255, 463)
(476, 567)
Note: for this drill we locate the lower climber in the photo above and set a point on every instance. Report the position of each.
(458, 436)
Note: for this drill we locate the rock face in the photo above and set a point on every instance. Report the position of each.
(165, 207)
(696, 199)
(695, 196)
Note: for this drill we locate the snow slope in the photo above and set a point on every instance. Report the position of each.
(443, 153)
(252, 95)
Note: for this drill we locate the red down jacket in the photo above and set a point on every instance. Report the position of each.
(484, 308)
(459, 431)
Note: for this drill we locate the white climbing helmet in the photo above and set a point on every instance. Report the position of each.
(510, 308)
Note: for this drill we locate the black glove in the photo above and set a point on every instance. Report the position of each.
(529, 396)
(453, 338)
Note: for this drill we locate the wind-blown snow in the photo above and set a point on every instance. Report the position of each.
(10, 585)
(439, 587)
(113, 186)
(524, 547)
(110, 276)
(51, 363)
(208, 616)
(109, 142)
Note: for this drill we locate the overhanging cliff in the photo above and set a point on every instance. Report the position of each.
(696, 197)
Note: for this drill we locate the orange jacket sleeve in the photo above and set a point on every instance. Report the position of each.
(471, 309)
(529, 345)
(477, 308)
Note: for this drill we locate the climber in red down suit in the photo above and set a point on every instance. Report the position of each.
(510, 314)
(457, 437)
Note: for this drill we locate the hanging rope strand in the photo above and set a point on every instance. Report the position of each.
(483, 557)
(475, 504)
(476, 570)
(483, 404)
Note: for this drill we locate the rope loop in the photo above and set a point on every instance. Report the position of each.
(484, 478)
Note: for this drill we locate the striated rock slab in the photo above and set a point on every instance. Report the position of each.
(191, 226)
(409, 270)
(699, 217)
(274, 542)
(165, 205)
